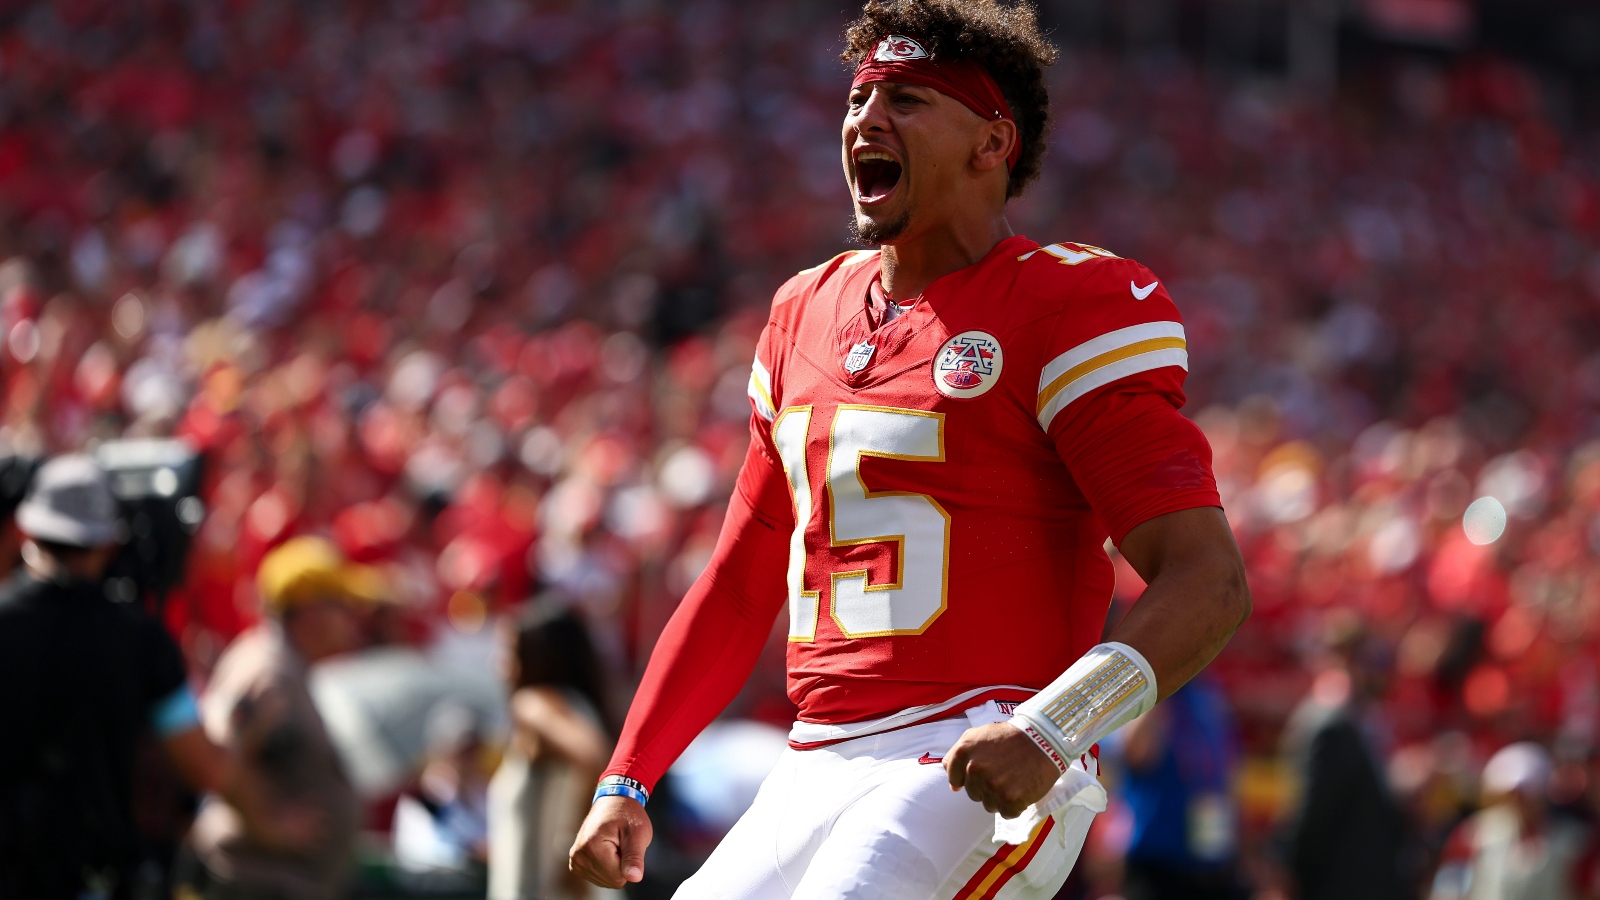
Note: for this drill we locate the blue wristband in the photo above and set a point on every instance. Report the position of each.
(619, 790)
(621, 786)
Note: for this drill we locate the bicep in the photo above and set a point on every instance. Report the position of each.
(1198, 537)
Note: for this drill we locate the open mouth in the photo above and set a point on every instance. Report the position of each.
(877, 175)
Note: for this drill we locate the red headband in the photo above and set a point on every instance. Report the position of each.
(903, 61)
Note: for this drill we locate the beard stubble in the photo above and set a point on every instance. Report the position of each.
(878, 233)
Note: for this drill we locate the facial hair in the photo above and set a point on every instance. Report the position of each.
(867, 232)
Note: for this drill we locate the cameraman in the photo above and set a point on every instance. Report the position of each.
(81, 678)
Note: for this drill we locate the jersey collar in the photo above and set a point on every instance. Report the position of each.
(853, 323)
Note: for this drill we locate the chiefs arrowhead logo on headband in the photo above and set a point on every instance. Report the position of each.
(896, 48)
(901, 59)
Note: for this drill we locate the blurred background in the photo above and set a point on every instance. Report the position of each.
(471, 289)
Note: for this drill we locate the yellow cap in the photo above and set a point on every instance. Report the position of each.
(370, 584)
(302, 569)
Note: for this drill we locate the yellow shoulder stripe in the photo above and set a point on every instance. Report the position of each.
(1101, 360)
(1070, 254)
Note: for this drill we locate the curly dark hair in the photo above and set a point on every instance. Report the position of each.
(1003, 38)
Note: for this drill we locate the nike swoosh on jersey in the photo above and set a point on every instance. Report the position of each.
(1139, 293)
(929, 760)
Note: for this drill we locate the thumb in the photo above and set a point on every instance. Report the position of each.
(631, 851)
(955, 765)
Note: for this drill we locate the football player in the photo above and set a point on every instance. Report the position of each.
(945, 431)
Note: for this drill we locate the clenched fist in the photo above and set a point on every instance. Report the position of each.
(1001, 768)
(609, 851)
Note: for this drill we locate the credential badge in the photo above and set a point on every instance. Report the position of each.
(860, 355)
(968, 365)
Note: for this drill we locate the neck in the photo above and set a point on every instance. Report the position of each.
(908, 266)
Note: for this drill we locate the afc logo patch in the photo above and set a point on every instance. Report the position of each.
(968, 365)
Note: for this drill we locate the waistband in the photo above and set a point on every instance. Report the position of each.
(812, 735)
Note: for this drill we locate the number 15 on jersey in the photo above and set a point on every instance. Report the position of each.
(915, 523)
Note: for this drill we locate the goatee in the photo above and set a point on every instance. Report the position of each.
(868, 232)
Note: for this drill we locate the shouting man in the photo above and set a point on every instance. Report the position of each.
(945, 432)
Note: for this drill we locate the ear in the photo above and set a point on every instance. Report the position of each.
(994, 144)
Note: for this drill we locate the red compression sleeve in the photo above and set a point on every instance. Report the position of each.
(712, 641)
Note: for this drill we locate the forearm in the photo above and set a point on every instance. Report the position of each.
(1185, 617)
(709, 646)
(1146, 472)
(704, 657)
(1195, 599)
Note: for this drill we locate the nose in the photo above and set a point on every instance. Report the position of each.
(871, 116)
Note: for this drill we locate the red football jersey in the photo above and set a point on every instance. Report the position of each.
(956, 471)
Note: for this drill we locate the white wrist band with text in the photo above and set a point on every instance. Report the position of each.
(1108, 687)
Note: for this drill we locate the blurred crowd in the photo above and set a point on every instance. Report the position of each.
(471, 289)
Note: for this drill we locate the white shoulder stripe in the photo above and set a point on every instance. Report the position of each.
(1099, 361)
(760, 391)
(1105, 343)
(1104, 375)
(1069, 256)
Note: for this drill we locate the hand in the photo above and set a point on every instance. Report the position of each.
(1001, 768)
(609, 851)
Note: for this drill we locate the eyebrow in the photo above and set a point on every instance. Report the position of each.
(895, 87)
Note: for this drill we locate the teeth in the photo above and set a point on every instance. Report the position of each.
(874, 154)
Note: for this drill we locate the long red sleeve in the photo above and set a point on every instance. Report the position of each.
(712, 641)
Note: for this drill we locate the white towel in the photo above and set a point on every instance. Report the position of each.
(1076, 787)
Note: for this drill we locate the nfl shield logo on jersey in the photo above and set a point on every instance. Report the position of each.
(968, 365)
(859, 356)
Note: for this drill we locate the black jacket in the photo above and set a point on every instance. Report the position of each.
(80, 677)
(1348, 837)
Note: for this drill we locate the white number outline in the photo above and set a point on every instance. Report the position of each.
(795, 579)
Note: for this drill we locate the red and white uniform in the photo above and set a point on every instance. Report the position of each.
(954, 472)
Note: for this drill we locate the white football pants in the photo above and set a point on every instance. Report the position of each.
(865, 820)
